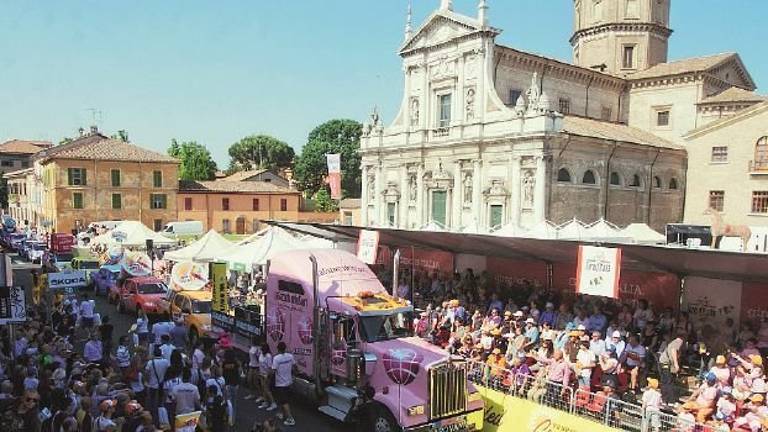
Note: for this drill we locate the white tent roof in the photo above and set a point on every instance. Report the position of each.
(472, 228)
(605, 231)
(509, 230)
(131, 233)
(573, 230)
(641, 233)
(207, 248)
(273, 241)
(542, 230)
(253, 237)
(432, 226)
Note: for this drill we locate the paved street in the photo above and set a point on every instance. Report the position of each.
(307, 417)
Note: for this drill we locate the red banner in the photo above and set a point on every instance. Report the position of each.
(510, 271)
(334, 181)
(426, 260)
(754, 301)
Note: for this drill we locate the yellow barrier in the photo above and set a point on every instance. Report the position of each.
(504, 413)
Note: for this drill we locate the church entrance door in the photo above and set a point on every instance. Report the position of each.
(439, 207)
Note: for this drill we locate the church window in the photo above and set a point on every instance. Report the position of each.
(636, 183)
(605, 113)
(391, 212)
(760, 202)
(662, 118)
(597, 10)
(439, 207)
(563, 176)
(632, 10)
(717, 200)
(628, 57)
(496, 215)
(564, 105)
(514, 95)
(615, 179)
(673, 183)
(761, 153)
(445, 110)
(719, 154)
(589, 178)
(657, 182)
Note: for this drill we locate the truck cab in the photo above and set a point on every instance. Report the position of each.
(142, 293)
(355, 350)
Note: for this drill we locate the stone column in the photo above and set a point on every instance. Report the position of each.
(457, 203)
(405, 199)
(421, 202)
(539, 192)
(515, 204)
(381, 208)
(477, 181)
(364, 198)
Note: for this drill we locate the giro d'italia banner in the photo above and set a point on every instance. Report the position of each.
(218, 275)
(334, 174)
(505, 413)
(598, 271)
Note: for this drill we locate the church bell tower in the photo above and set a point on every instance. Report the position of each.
(620, 37)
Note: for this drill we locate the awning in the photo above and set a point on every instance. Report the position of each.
(715, 264)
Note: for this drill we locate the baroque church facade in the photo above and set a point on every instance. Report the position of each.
(488, 135)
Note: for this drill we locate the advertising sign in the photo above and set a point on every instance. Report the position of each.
(137, 264)
(67, 281)
(189, 276)
(598, 271)
(368, 246)
(13, 305)
(218, 275)
(62, 243)
(334, 174)
(187, 422)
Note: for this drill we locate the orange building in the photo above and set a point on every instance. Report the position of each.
(236, 207)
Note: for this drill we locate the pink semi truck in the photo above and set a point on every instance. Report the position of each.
(355, 350)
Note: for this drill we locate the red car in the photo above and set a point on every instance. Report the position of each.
(141, 293)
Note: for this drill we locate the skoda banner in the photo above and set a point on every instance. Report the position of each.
(67, 281)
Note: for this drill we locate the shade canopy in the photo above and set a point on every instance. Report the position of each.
(739, 266)
(542, 230)
(572, 230)
(641, 233)
(207, 248)
(132, 234)
(262, 249)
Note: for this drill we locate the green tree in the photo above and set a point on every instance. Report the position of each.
(260, 152)
(334, 136)
(323, 201)
(196, 160)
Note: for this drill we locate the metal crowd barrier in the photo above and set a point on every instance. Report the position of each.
(594, 406)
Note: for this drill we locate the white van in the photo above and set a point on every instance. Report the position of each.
(187, 228)
(107, 224)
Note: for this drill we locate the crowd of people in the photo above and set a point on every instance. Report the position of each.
(655, 358)
(66, 370)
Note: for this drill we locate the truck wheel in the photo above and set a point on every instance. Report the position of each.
(380, 420)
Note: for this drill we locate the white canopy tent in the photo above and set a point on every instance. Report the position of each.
(472, 228)
(273, 241)
(132, 234)
(432, 226)
(207, 248)
(573, 230)
(509, 230)
(604, 231)
(641, 233)
(542, 230)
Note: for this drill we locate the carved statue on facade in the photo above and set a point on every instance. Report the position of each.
(371, 187)
(533, 92)
(413, 188)
(470, 104)
(468, 188)
(529, 182)
(415, 112)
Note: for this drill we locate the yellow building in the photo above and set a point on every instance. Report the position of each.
(96, 178)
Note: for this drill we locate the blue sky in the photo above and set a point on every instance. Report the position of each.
(217, 71)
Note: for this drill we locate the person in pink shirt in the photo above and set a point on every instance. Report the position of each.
(721, 371)
(558, 372)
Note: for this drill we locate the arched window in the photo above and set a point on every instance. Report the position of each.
(657, 182)
(615, 179)
(673, 183)
(564, 176)
(589, 178)
(761, 153)
(635, 181)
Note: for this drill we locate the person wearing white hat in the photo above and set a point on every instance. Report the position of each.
(549, 315)
(616, 342)
(531, 333)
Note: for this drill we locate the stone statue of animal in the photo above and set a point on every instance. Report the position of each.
(721, 229)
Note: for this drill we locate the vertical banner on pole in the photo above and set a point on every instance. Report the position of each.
(334, 174)
(598, 271)
(396, 273)
(218, 275)
(368, 246)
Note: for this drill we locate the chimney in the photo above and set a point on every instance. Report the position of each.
(81, 131)
(94, 130)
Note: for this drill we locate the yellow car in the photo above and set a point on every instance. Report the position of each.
(194, 308)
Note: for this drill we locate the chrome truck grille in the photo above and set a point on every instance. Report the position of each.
(447, 390)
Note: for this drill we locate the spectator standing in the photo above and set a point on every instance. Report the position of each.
(282, 366)
(154, 372)
(186, 395)
(669, 360)
(265, 371)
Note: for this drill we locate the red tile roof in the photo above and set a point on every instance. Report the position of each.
(23, 146)
(100, 147)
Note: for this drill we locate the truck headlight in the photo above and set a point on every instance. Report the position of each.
(149, 304)
(416, 410)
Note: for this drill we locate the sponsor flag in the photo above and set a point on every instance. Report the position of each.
(218, 274)
(598, 271)
(13, 305)
(368, 246)
(334, 174)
